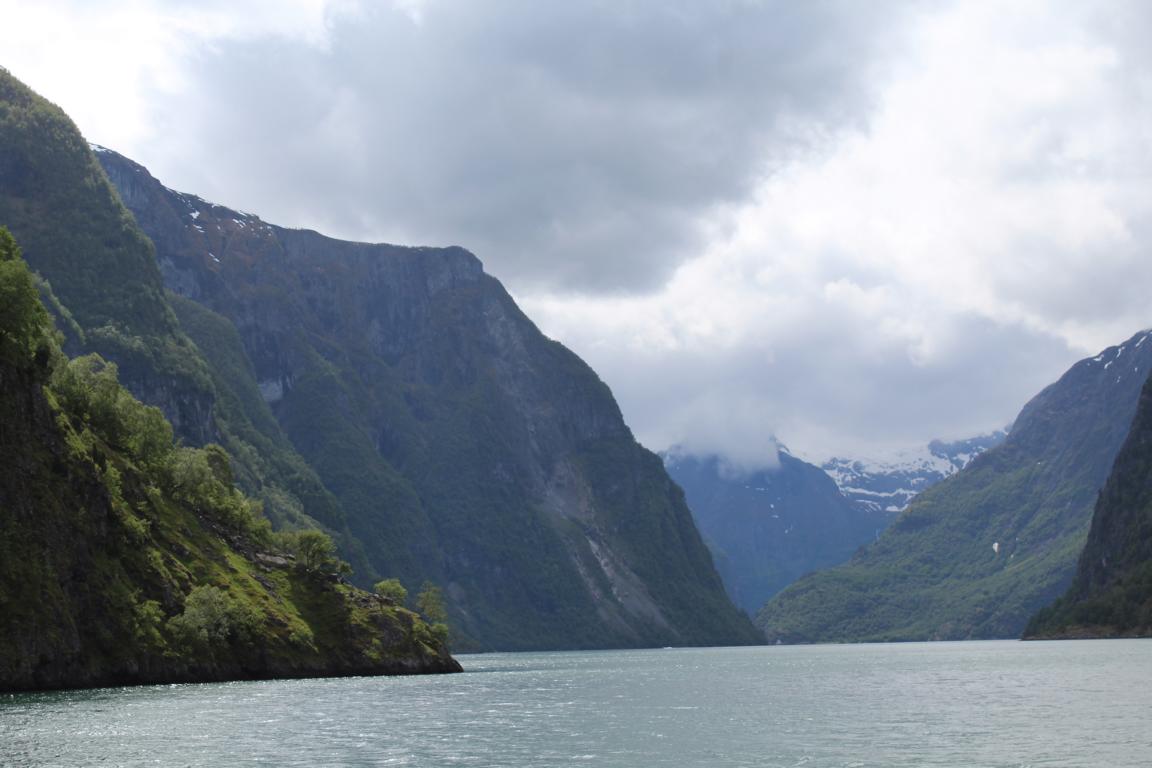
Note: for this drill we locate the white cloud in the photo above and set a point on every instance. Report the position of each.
(105, 62)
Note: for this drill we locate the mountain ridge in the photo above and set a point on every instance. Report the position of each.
(890, 484)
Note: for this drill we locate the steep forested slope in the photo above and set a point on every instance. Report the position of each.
(977, 554)
(125, 558)
(1111, 595)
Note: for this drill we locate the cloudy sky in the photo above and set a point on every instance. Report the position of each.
(855, 225)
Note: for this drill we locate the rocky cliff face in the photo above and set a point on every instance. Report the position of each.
(977, 554)
(770, 527)
(463, 446)
(1111, 595)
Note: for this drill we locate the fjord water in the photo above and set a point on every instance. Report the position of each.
(1081, 703)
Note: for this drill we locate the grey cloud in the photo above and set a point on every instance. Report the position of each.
(573, 146)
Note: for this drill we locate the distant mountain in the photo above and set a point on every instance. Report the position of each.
(977, 554)
(889, 484)
(770, 527)
(1111, 595)
(462, 446)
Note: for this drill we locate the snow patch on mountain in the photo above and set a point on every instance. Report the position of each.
(887, 484)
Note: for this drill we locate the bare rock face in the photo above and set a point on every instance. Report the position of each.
(464, 447)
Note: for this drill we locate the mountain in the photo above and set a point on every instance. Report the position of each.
(770, 527)
(97, 272)
(1111, 595)
(395, 397)
(127, 559)
(97, 268)
(977, 554)
(462, 445)
(889, 484)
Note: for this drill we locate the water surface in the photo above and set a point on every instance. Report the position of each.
(1084, 703)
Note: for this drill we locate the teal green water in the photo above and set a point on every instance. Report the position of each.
(1086, 703)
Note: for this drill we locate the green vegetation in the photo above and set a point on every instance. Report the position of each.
(125, 558)
(430, 605)
(92, 257)
(314, 551)
(99, 278)
(392, 589)
(267, 465)
(23, 321)
(1112, 593)
(212, 619)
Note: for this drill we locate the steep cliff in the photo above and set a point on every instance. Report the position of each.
(770, 527)
(977, 554)
(1111, 595)
(127, 559)
(464, 447)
